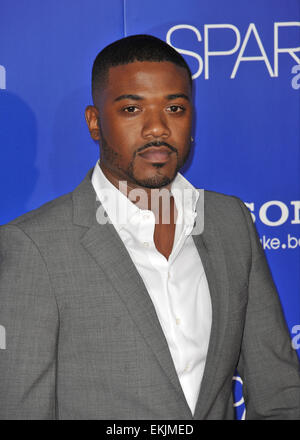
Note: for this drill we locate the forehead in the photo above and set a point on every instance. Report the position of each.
(147, 78)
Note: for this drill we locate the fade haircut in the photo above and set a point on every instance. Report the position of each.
(128, 50)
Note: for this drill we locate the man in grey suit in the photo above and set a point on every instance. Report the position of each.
(109, 311)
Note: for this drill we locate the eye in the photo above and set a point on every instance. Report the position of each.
(131, 109)
(176, 108)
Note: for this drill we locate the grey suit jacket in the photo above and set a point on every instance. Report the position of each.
(83, 340)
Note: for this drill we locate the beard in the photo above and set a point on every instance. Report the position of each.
(112, 157)
(158, 181)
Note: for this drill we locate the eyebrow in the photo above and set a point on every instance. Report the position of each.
(178, 95)
(139, 98)
(134, 97)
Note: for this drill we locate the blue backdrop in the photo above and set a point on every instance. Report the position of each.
(245, 58)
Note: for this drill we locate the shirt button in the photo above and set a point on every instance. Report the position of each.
(146, 244)
(169, 275)
(187, 367)
(177, 321)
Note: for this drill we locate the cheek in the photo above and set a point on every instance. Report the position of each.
(118, 133)
(181, 128)
(109, 128)
(182, 137)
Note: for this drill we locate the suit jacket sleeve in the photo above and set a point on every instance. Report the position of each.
(268, 364)
(29, 315)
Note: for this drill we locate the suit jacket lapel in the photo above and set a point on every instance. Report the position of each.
(103, 243)
(213, 259)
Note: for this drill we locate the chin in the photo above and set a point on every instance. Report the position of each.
(154, 178)
(157, 181)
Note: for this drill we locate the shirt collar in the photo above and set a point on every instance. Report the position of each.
(186, 197)
(122, 211)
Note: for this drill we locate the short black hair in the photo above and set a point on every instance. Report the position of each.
(130, 49)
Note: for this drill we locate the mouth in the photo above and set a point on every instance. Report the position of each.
(156, 154)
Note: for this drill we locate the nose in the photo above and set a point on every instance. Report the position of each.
(155, 126)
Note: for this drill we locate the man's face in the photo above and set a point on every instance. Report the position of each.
(143, 121)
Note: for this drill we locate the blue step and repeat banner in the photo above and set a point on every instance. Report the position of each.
(245, 60)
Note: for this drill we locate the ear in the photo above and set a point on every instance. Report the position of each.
(92, 117)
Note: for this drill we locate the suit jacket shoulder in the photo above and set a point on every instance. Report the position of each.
(56, 213)
(232, 220)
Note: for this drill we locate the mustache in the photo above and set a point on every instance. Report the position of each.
(156, 144)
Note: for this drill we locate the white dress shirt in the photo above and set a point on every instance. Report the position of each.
(178, 286)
